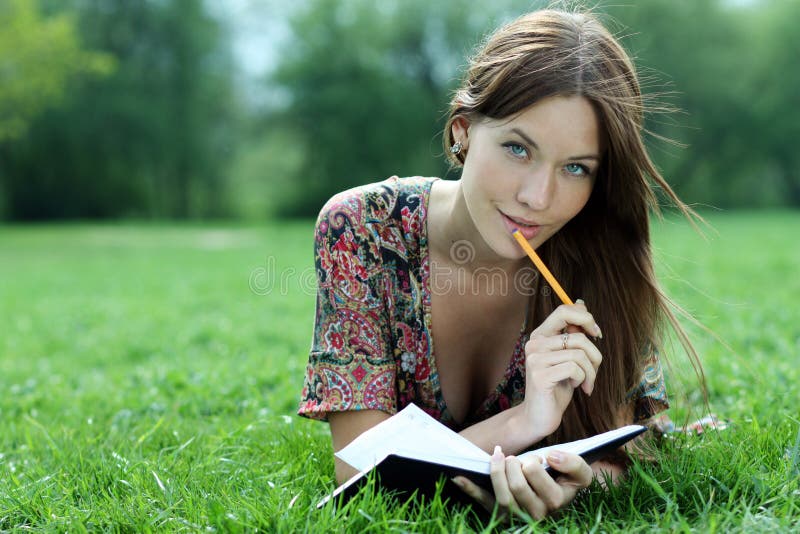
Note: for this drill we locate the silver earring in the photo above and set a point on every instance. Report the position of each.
(456, 148)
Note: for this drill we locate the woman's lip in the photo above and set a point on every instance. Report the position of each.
(528, 232)
(522, 221)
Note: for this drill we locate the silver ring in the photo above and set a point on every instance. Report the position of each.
(564, 339)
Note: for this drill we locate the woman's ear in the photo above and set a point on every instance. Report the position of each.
(460, 130)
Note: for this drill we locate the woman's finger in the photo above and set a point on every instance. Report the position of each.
(502, 493)
(542, 362)
(568, 370)
(576, 473)
(566, 341)
(582, 342)
(480, 495)
(548, 491)
(578, 340)
(566, 315)
(524, 495)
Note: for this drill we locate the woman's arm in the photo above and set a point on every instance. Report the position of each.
(347, 426)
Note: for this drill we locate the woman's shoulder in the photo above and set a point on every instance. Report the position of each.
(378, 202)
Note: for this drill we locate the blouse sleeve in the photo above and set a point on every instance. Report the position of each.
(351, 364)
(649, 396)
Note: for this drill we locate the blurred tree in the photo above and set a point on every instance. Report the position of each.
(368, 87)
(731, 69)
(153, 139)
(775, 88)
(38, 57)
(692, 56)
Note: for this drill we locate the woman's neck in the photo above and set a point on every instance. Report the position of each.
(453, 234)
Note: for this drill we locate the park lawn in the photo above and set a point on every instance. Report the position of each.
(149, 376)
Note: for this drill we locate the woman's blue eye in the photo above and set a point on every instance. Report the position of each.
(516, 150)
(576, 169)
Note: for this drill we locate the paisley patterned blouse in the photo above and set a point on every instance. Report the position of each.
(372, 346)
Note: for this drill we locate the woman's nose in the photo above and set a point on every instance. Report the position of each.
(537, 189)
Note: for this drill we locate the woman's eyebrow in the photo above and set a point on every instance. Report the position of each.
(532, 143)
(525, 137)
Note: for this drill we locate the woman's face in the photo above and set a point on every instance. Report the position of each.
(534, 172)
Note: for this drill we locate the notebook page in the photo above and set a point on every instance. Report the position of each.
(582, 445)
(410, 433)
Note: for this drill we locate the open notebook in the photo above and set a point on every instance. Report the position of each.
(411, 451)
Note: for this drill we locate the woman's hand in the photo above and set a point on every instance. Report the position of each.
(559, 357)
(526, 486)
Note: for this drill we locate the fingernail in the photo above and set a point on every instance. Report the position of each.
(580, 301)
(458, 481)
(497, 456)
(599, 332)
(555, 457)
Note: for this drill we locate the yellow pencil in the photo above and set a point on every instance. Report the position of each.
(541, 266)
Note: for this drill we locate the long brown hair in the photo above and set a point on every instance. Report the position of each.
(603, 254)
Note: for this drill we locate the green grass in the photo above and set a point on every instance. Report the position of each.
(149, 376)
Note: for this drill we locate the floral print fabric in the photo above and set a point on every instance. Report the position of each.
(371, 347)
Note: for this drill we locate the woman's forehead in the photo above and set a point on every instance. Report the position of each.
(566, 121)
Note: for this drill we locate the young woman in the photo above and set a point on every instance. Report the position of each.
(424, 296)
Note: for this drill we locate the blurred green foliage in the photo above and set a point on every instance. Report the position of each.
(358, 93)
(369, 89)
(38, 59)
(151, 139)
(731, 68)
